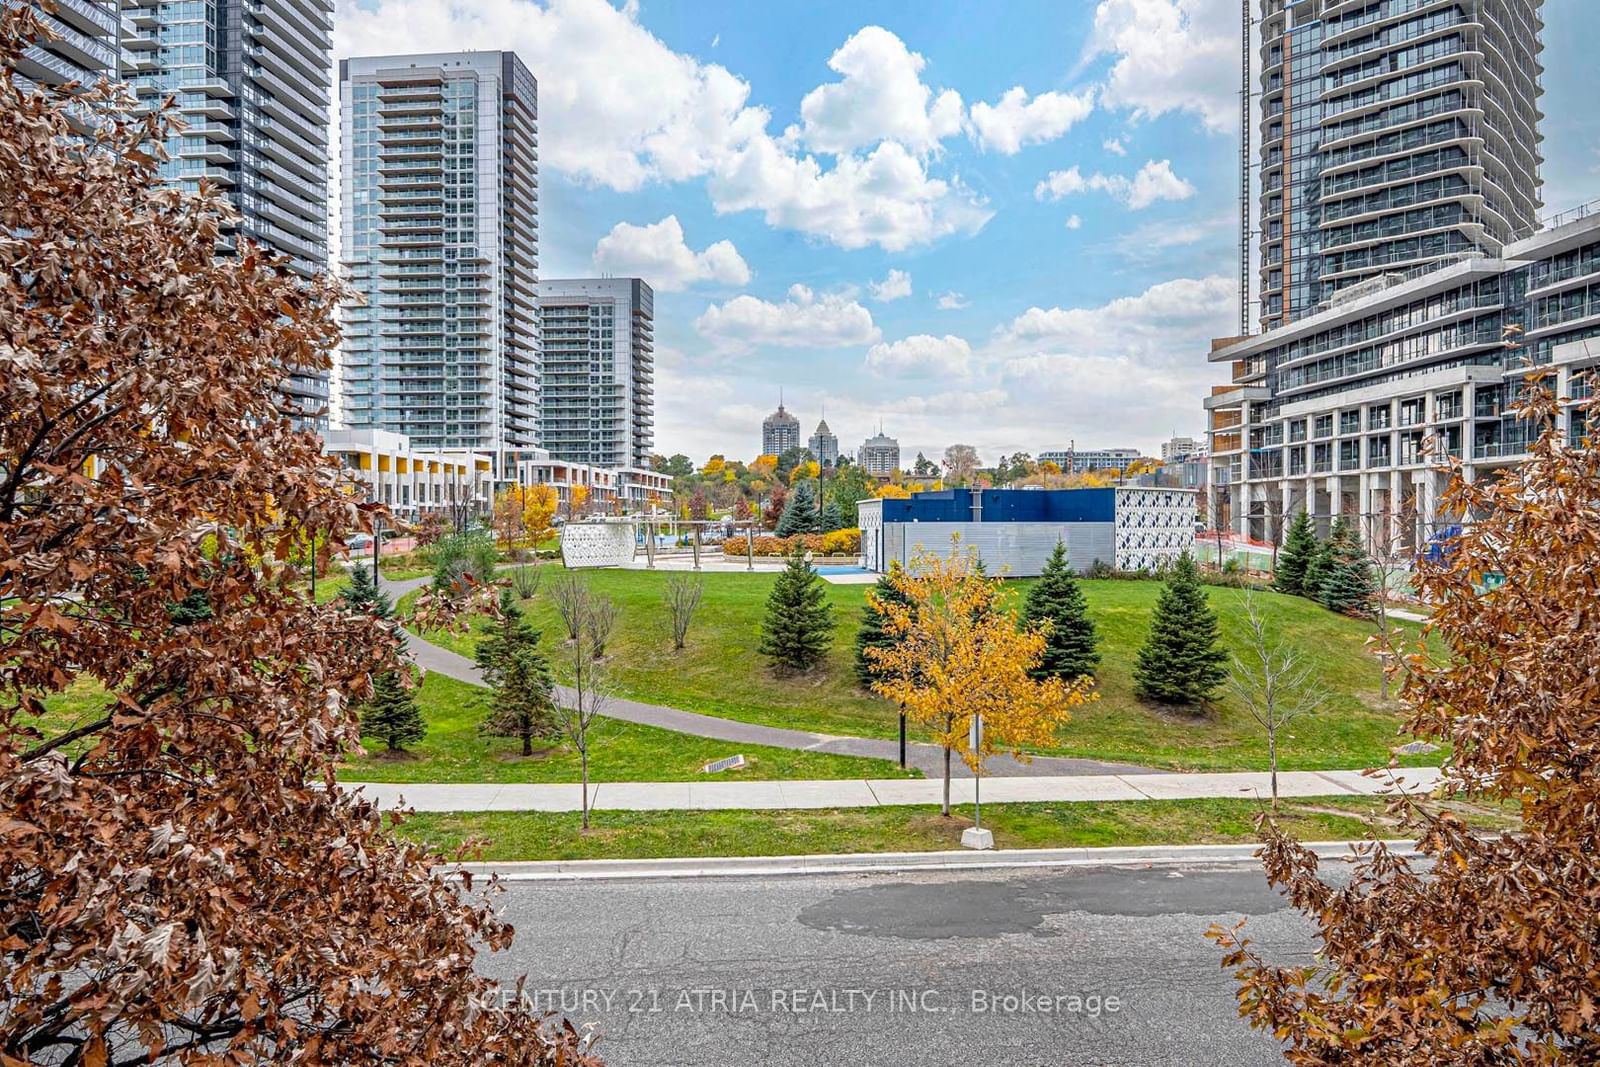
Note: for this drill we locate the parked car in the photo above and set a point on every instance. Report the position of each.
(359, 542)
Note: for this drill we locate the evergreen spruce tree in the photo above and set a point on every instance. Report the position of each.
(524, 692)
(1299, 548)
(391, 715)
(363, 594)
(1181, 661)
(1321, 562)
(1347, 584)
(799, 512)
(507, 635)
(831, 519)
(196, 607)
(1056, 598)
(872, 634)
(799, 625)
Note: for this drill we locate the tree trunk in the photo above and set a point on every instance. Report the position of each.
(1272, 761)
(946, 810)
(583, 754)
(527, 742)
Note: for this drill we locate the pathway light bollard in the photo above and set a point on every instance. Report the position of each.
(902, 737)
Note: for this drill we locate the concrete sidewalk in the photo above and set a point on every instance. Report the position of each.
(869, 793)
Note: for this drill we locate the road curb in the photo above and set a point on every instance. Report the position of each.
(888, 862)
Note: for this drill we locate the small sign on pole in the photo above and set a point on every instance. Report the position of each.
(976, 836)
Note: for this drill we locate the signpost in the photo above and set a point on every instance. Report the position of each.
(975, 836)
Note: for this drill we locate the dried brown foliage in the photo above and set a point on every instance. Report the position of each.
(1490, 952)
(180, 881)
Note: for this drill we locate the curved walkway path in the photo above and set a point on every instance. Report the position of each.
(929, 759)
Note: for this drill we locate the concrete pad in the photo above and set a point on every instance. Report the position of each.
(1183, 786)
(891, 791)
(384, 794)
(722, 795)
(845, 793)
(430, 796)
(642, 796)
(558, 797)
(1404, 779)
(1306, 784)
(849, 579)
(1072, 788)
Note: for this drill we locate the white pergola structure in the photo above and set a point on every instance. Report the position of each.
(615, 542)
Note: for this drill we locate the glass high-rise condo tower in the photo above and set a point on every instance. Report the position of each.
(85, 45)
(598, 386)
(252, 79)
(440, 235)
(1394, 134)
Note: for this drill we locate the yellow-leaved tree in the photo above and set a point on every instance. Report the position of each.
(539, 510)
(522, 513)
(953, 652)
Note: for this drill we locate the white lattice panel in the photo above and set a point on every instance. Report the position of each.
(597, 544)
(1154, 527)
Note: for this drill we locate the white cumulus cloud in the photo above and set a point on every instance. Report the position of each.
(1154, 181)
(658, 254)
(881, 97)
(1014, 121)
(1130, 369)
(922, 354)
(895, 285)
(619, 109)
(952, 301)
(1170, 55)
(1074, 222)
(805, 319)
(886, 198)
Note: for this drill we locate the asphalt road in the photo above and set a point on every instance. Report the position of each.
(901, 969)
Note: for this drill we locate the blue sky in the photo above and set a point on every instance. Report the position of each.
(1010, 225)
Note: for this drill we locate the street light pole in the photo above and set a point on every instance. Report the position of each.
(377, 539)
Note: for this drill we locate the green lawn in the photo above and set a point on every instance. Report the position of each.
(454, 751)
(528, 835)
(720, 674)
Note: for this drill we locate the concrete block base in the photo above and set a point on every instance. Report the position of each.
(973, 837)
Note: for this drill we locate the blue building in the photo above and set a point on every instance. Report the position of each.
(1015, 530)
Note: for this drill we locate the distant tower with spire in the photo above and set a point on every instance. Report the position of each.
(780, 431)
(824, 444)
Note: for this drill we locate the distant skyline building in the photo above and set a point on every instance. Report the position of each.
(879, 455)
(824, 445)
(780, 432)
(86, 49)
(1393, 134)
(439, 220)
(1179, 447)
(598, 386)
(1090, 459)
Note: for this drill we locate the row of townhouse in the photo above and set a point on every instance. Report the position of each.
(413, 482)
